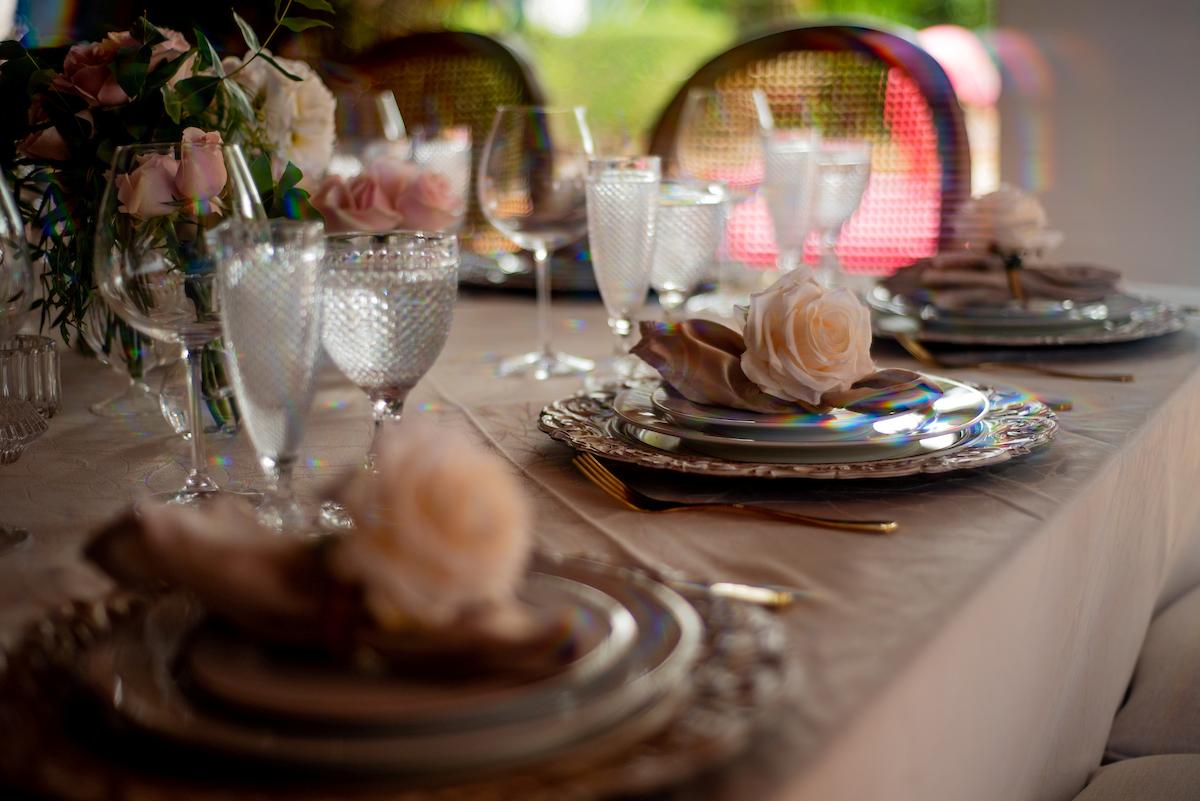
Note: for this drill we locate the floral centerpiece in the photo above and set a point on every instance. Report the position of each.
(68, 111)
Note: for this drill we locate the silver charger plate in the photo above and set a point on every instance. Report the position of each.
(1014, 425)
(1140, 318)
(1039, 313)
(228, 668)
(960, 406)
(132, 674)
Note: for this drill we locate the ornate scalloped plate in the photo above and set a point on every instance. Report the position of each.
(1014, 426)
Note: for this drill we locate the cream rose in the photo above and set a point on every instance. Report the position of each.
(149, 191)
(803, 340)
(298, 115)
(1008, 220)
(440, 530)
(202, 173)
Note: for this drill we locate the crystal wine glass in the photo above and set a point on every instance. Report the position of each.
(687, 232)
(153, 264)
(20, 423)
(369, 126)
(131, 354)
(843, 167)
(269, 279)
(388, 300)
(532, 188)
(622, 204)
(790, 159)
(719, 139)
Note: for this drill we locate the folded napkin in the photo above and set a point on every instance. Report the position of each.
(962, 280)
(702, 361)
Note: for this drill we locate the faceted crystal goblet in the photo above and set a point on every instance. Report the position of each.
(687, 232)
(843, 169)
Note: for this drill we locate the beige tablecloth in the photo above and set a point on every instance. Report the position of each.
(977, 654)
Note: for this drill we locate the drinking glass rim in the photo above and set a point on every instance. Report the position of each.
(410, 233)
(158, 147)
(525, 108)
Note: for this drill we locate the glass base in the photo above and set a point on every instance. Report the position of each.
(334, 518)
(12, 538)
(542, 365)
(286, 516)
(191, 497)
(138, 400)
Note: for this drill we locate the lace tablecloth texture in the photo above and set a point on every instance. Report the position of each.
(979, 653)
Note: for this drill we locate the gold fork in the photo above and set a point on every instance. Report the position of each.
(922, 354)
(627, 496)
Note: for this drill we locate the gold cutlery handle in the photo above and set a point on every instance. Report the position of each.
(863, 526)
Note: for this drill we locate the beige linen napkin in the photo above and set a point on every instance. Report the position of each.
(959, 280)
(701, 360)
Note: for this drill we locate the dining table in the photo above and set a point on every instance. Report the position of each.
(979, 652)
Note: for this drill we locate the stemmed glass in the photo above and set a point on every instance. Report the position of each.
(130, 353)
(269, 278)
(19, 421)
(532, 188)
(791, 159)
(843, 167)
(719, 139)
(369, 126)
(447, 151)
(687, 231)
(622, 204)
(152, 262)
(388, 301)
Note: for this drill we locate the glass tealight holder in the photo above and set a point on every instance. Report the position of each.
(29, 371)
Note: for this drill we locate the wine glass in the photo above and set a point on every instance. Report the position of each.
(790, 159)
(152, 262)
(388, 300)
(20, 422)
(128, 352)
(843, 167)
(369, 126)
(687, 232)
(269, 277)
(622, 203)
(719, 139)
(532, 188)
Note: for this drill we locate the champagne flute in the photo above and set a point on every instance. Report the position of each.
(719, 139)
(791, 159)
(269, 277)
(687, 232)
(152, 262)
(20, 422)
(843, 168)
(532, 188)
(622, 203)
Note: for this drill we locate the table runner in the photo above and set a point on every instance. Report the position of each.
(979, 653)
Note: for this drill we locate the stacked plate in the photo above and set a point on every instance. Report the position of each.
(1117, 318)
(657, 416)
(633, 644)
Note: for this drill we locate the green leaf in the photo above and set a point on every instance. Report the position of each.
(207, 55)
(131, 69)
(248, 35)
(260, 171)
(290, 177)
(197, 93)
(275, 64)
(298, 24)
(172, 104)
(237, 98)
(11, 49)
(315, 5)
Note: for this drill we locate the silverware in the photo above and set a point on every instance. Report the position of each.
(627, 496)
(922, 355)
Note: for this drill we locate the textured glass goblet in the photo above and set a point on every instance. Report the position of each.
(622, 204)
(388, 303)
(532, 188)
(271, 318)
(843, 169)
(19, 420)
(153, 263)
(790, 159)
(687, 232)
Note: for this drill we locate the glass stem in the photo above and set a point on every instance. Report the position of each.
(789, 260)
(387, 412)
(827, 267)
(671, 303)
(198, 480)
(279, 477)
(541, 274)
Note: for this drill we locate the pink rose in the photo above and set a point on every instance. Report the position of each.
(174, 46)
(431, 204)
(366, 202)
(202, 174)
(149, 191)
(86, 71)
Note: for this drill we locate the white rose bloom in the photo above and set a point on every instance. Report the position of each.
(298, 115)
(803, 340)
(441, 529)
(1008, 220)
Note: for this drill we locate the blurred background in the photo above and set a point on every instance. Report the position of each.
(1093, 105)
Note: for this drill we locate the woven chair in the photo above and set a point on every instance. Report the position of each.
(446, 78)
(853, 82)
